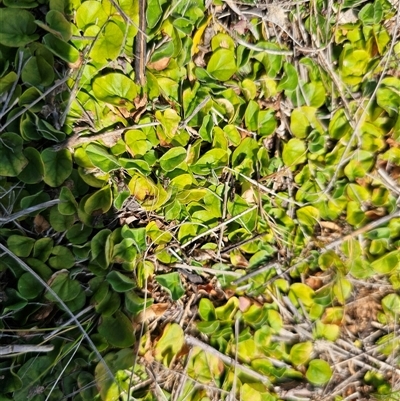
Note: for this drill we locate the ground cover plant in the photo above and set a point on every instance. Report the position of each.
(199, 200)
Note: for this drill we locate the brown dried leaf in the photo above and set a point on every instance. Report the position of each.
(159, 65)
(40, 224)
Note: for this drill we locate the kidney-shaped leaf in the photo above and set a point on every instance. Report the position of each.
(64, 287)
(101, 158)
(108, 44)
(57, 166)
(170, 160)
(301, 353)
(222, 64)
(319, 372)
(61, 49)
(120, 282)
(37, 72)
(172, 283)
(117, 330)
(90, 13)
(213, 159)
(12, 159)
(62, 258)
(100, 201)
(294, 152)
(114, 88)
(169, 344)
(17, 27)
(34, 170)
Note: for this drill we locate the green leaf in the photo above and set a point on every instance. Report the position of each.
(63, 286)
(29, 287)
(371, 13)
(391, 305)
(251, 115)
(137, 143)
(42, 249)
(303, 293)
(60, 222)
(62, 259)
(125, 251)
(107, 46)
(100, 202)
(222, 64)
(212, 160)
(49, 132)
(308, 216)
(114, 88)
(314, 93)
(7, 81)
(387, 263)
(120, 282)
(59, 23)
(362, 161)
(339, 125)
(68, 205)
(266, 122)
(227, 311)
(387, 95)
(247, 150)
(119, 363)
(158, 236)
(172, 283)
(17, 27)
(153, 13)
(90, 13)
(353, 64)
(342, 289)
(172, 158)
(78, 233)
(319, 372)
(31, 374)
(135, 304)
(170, 343)
(303, 120)
(101, 158)
(12, 159)
(117, 330)
(21, 246)
(209, 327)
(294, 152)
(206, 310)
(100, 248)
(37, 72)
(300, 353)
(61, 49)
(290, 79)
(57, 166)
(33, 172)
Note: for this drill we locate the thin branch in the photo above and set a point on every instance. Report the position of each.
(255, 272)
(21, 213)
(190, 340)
(185, 122)
(140, 46)
(77, 139)
(204, 269)
(23, 349)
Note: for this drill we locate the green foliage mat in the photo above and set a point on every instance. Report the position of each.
(221, 225)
